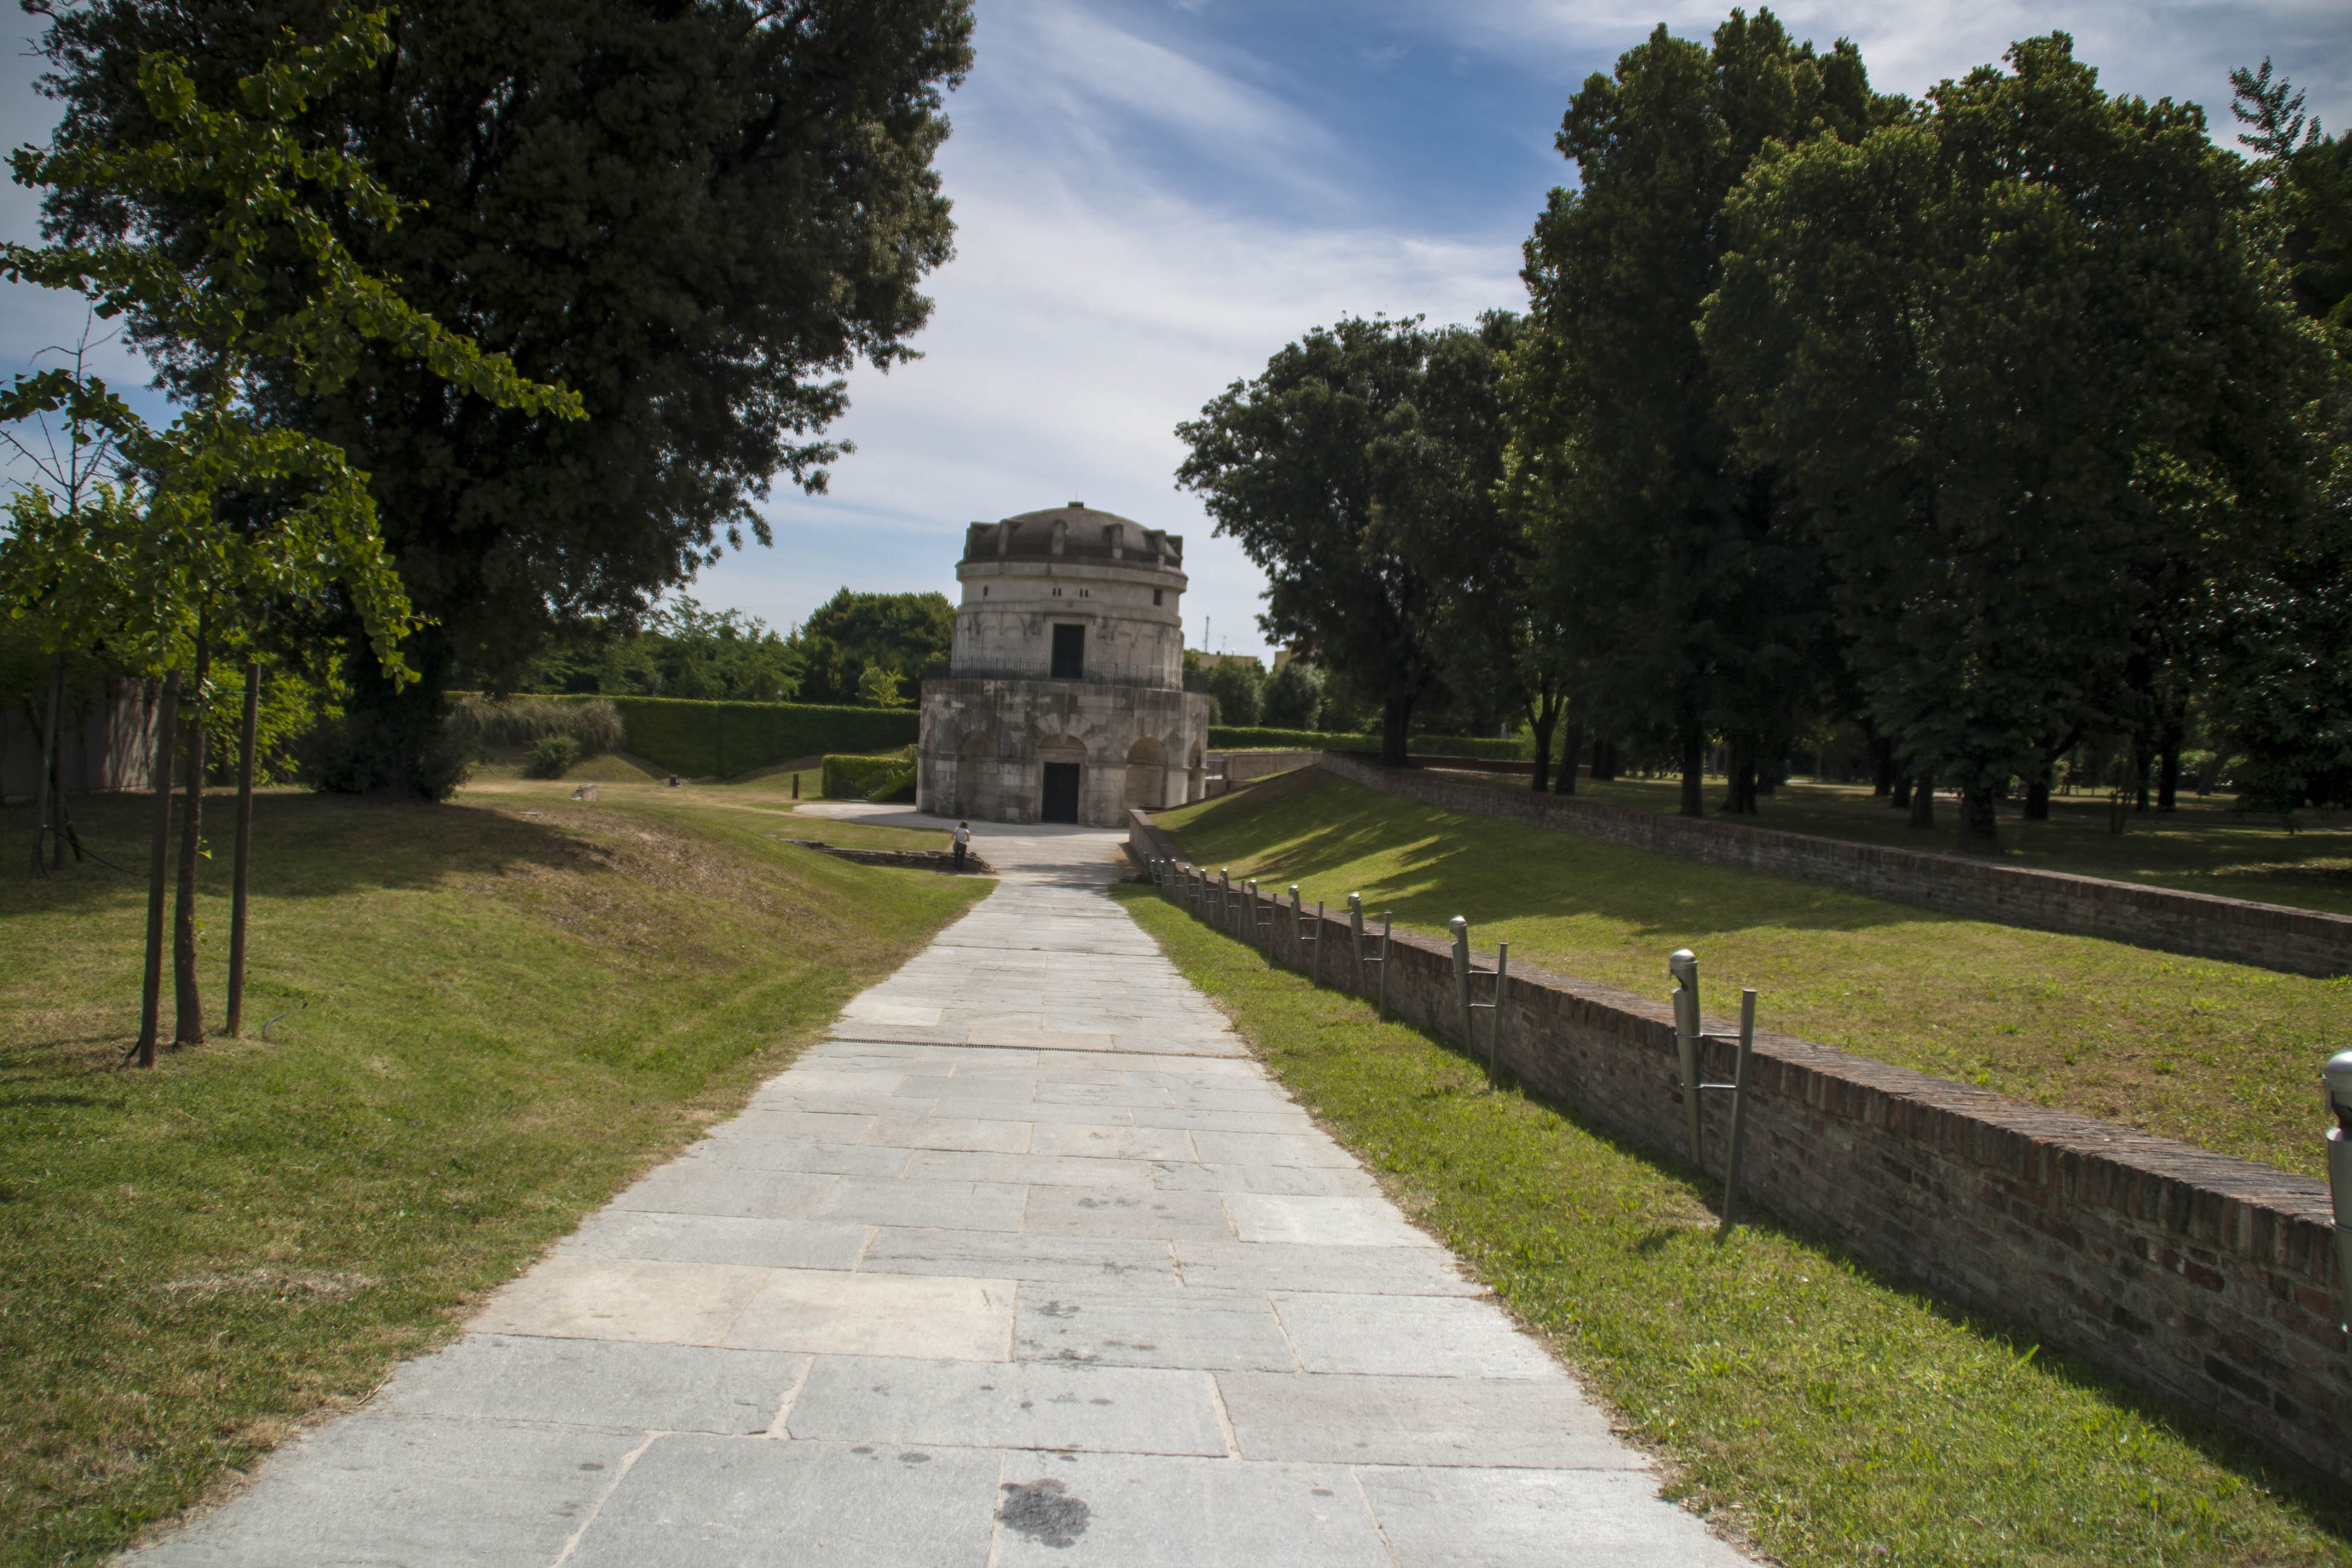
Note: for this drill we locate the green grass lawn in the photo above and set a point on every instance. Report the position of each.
(1806, 1406)
(2221, 1055)
(2206, 847)
(509, 1006)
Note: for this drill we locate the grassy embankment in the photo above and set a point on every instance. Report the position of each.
(2205, 847)
(514, 1003)
(767, 794)
(2220, 1055)
(1828, 1415)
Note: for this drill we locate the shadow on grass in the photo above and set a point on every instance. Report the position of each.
(304, 845)
(1490, 873)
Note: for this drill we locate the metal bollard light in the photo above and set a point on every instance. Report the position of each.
(1460, 928)
(2337, 1076)
(1356, 928)
(1299, 938)
(1739, 1088)
(1464, 972)
(1682, 964)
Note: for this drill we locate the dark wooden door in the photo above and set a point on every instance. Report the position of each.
(1061, 793)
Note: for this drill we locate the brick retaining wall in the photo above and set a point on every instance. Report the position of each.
(2273, 936)
(2204, 1277)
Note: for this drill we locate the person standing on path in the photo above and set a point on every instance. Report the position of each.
(962, 839)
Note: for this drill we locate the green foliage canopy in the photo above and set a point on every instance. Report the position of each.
(2014, 352)
(850, 634)
(1357, 471)
(231, 520)
(698, 215)
(1694, 598)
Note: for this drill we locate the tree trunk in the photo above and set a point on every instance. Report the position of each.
(46, 790)
(1693, 776)
(150, 990)
(2140, 763)
(1900, 795)
(1882, 765)
(1923, 801)
(1979, 828)
(187, 1001)
(233, 1023)
(1739, 776)
(1396, 728)
(1543, 720)
(2037, 792)
(2167, 774)
(1571, 751)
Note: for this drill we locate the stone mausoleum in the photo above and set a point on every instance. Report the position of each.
(1065, 698)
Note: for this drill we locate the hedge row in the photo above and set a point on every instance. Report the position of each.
(868, 778)
(1240, 738)
(721, 739)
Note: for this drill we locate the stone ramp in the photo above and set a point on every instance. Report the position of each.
(1029, 1263)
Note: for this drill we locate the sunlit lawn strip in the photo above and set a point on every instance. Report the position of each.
(2221, 1055)
(1826, 1414)
(501, 1018)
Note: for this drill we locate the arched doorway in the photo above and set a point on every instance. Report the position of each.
(1061, 778)
(1146, 772)
(976, 795)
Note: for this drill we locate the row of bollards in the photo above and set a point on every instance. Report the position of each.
(1223, 903)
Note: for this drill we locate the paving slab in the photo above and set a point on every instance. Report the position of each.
(1139, 1263)
(1122, 1511)
(718, 1238)
(599, 1383)
(1022, 1405)
(1028, 1261)
(1086, 1324)
(1533, 1423)
(376, 1487)
(1449, 1517)
(708, 1502)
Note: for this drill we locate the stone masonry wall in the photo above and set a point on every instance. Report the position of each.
(2204, 1278)
(2300, 941)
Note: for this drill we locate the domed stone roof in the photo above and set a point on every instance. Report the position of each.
(1075, 529)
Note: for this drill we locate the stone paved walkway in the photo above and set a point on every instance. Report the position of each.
(1029, 1263)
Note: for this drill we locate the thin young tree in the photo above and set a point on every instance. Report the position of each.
(236, 520)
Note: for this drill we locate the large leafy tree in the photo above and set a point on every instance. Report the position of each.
(682, 650)
(850, 636)
(1695, 597)
(1358, 470)
(2014, 352)
(697, 212)
(2281, 686)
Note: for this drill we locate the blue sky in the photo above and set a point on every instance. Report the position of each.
(1152, 195)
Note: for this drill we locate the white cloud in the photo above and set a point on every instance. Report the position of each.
(2177, 48)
